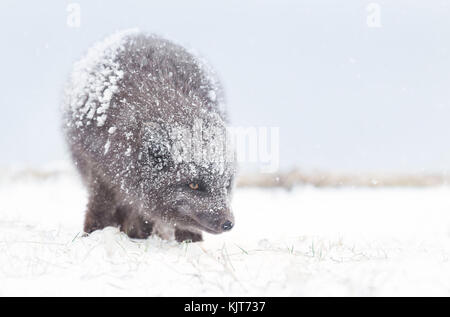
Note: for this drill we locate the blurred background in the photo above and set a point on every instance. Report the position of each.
(353, 86)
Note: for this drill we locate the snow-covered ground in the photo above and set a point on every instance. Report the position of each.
(308, 241)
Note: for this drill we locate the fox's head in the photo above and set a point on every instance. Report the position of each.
(191, 178)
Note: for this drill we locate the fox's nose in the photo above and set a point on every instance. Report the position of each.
(227, 225)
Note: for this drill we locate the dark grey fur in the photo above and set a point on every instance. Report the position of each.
(121, 105)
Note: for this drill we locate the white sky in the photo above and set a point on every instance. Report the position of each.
(345, 96)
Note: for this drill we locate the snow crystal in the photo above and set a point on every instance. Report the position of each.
(212, 95)
(112, 130)
(107, 145)
(128, 135)
(101, 120)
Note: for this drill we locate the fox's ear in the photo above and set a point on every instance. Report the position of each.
(156, 146)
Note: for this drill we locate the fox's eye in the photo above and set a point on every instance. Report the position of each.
(193, 186)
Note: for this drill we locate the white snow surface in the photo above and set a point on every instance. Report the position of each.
(308, 241)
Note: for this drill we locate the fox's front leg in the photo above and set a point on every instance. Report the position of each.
(101, 207)
(135, 226)
(186, 235)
